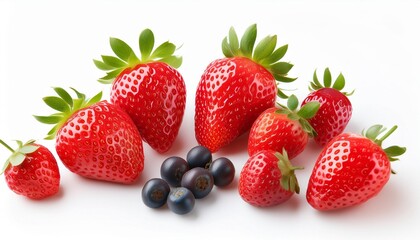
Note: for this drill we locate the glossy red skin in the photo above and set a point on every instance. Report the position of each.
(259, 181)
(231, 94)
(333, 114)
(154, 96)
(101, 142)
(350, 170)
(275, 131)
(37, 177)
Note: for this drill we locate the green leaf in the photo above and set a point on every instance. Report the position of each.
(51, 134)
(373, 132)
(227, 51)
(6, 164)
(113, 61)
(316, 81)
(281, 68)
(16, 159)
(57, 103)
(174, 61)
(111, 75)
(276, 55)
(282, 78)
(95, 99)
(327, 78)
(248, 40)
(64, 95)
(146, 43)
(292, 102)
(281, 94)
(309, 110)
(307, 127)
(265, 47)
(102, 66)
(233, 41)
(165, 49)
(28, 149)
(80, 95)
(53, 119)
(339, 83)
(395, 151)
(121, 49)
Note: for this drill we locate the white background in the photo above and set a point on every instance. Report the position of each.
(52, 43)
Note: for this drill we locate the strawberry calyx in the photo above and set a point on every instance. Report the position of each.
(338, 84)
(18, 154)
(265, 53)
(66, 107)
(301, 115)
(288, 179)
(392, 152)
(126, 58)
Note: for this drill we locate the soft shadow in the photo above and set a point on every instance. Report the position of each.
(238, 146)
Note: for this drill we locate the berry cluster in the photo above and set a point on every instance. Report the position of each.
(190, 179)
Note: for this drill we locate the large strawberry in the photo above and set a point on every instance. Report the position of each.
(283, 128)
(351, 169)
(268, 179)
(335, 111)
(148, 88)
(31, 170)
(94, 139)
(235, 90)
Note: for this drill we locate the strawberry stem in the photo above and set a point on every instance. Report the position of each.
(6, 146)
(387, 134)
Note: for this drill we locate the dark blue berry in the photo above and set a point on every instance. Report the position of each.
(199, 181)
(155, 193)
(181, 200)
(223, 171)
(172, 170)
(199, 156)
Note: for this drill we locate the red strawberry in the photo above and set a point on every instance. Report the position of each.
(235, 90)
(283, 128)
(94, 139)
(31, 170)
(351, 169)
(268, 179)
(335, 111)
(149, 88)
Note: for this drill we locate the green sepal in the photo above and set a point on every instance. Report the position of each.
(248, 40)
(284, 79)
(66, 107)
(146, 43)
(275, 56)
(288, 180)
(19, 154)
(265, 47)
(281, 94)
(301, 115)
(373, 134)
(233, 41)
(281, 68)
(338, 84)
(125, 58)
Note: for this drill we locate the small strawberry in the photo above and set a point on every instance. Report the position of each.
(94, 139)
(351, 169)
(268, 179)
(31, 170)
(235, 90)
(335, 111)
(283, 128)
(149, 88)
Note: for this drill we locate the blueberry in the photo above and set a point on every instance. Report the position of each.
(199, 156)
(181, 200)
(155, 193)
(199, 181)
(223, 171)
(172, 170)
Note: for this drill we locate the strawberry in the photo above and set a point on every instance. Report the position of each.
(268, 179)
(95, 139)
(31, 170)
(283, 128)
(149, 88)
(351, 169)
(235, 90)
(335, 111)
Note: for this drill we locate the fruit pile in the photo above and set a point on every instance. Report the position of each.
(103, 139)
(191, 179)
